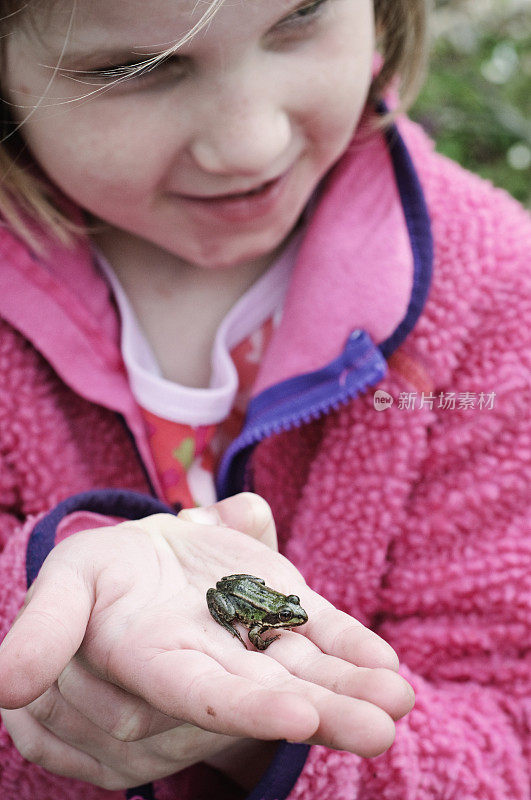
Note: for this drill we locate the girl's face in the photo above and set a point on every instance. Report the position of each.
(213, 154)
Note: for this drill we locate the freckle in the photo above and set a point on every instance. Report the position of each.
(210, 711)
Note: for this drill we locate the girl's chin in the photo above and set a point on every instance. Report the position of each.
(218, 251)
(220, 255)
(228, 262)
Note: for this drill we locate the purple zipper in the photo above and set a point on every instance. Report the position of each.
(300, 400)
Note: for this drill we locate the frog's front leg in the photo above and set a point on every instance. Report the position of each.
(256, 638)
(223, 612)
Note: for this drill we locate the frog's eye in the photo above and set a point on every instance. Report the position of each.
(293, 599)
(285, 614)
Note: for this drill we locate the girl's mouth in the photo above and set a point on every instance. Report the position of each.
(242, 206)
(237, 195)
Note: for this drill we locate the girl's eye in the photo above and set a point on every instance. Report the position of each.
(305, 15)
(168, 68)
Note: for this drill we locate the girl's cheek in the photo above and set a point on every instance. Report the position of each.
(336, 106)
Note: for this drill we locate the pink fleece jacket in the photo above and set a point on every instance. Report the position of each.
(414, 518)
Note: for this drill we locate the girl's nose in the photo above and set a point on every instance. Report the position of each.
(245, 136)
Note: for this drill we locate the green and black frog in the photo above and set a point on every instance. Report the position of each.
(248, 600)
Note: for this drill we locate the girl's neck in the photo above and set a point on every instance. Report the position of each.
(179, 306)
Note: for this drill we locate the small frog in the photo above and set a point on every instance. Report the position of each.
(248, 600)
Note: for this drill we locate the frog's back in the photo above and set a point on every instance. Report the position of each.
(254, 591)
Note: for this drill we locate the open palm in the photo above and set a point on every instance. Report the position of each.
(131, 602)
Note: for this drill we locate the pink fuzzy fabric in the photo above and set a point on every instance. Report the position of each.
(414, 521)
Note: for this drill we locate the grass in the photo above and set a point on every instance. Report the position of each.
(476, 101)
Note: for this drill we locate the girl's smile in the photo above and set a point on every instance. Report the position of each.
(240, 207)
(212, 153)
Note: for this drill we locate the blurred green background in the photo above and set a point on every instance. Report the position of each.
(476, 101)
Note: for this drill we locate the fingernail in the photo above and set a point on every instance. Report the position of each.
(201, 516)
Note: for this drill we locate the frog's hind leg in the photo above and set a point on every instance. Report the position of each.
(223, 622)
(228, 627)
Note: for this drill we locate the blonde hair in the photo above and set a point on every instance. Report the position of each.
(29, 203)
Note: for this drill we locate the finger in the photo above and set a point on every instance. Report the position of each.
(39, 746)
(345, 723)
(192, 686)
(46, 635)
(246, 512)
(340, 635)
(250, 513)
(382, 687)
(131, 762)
(52, 712)
(353, 725)
(117, 712)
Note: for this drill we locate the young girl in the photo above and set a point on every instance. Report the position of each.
(227, 272)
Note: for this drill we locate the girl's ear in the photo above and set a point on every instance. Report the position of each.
(377, 63)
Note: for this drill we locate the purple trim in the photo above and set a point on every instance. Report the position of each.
(111, 502)
(420, 236)
(282, 773)
(144, 792)
(355, 365)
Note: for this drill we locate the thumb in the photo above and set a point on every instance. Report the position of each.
(47, 632)
(245, 512)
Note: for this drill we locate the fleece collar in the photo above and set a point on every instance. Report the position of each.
(364, 263)
(63, 307)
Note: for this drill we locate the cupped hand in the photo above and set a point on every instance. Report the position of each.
(130, 601)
